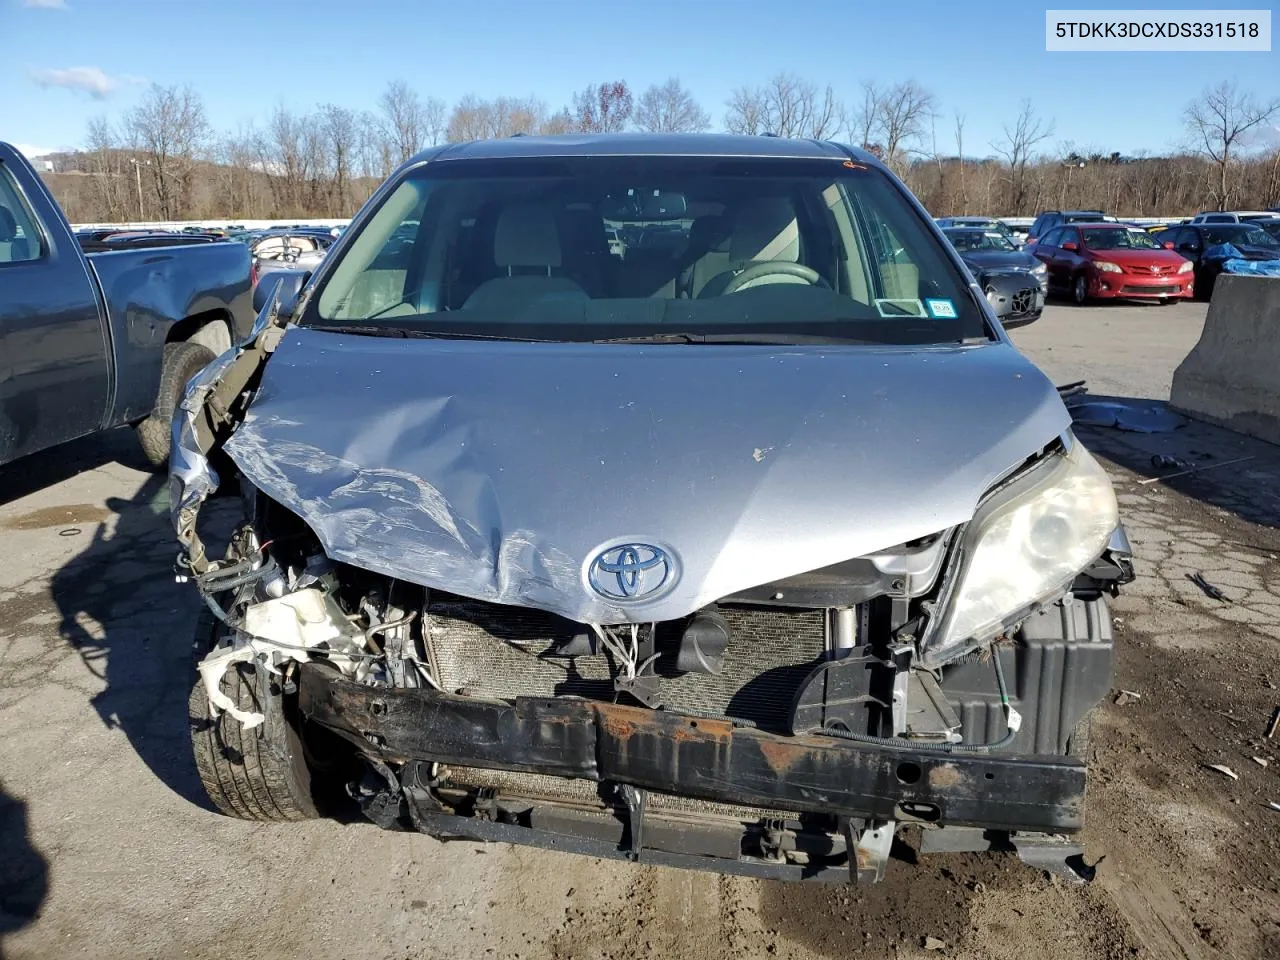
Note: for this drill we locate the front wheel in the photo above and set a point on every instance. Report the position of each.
(256, 774)
(1080, 290)
(181, 362)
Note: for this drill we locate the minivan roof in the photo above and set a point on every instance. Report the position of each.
(647, 144)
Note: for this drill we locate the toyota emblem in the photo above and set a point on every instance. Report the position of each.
(631, 571)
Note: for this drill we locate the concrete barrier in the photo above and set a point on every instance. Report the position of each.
(1232, 376)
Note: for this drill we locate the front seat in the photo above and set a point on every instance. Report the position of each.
(708, 253)
(526, 244)
(763, 229)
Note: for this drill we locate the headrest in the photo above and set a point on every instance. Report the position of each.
(708, 232)
(526, 236)
(765, 229)
(8, 225)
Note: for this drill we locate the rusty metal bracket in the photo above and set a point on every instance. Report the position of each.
(869, 848)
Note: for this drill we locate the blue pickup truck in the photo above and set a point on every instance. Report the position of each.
(90, 341)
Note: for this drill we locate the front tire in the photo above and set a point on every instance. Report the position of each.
(181, 362)
(259, 774)
(1080, 290)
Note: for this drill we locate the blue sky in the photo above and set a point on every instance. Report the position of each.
(63, 62)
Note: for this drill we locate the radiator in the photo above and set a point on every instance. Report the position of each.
(490, 650)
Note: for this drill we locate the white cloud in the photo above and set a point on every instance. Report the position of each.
(90, 80)
(46, 4)
(31, 151)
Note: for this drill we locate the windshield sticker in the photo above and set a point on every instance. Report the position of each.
(893, 307)
(941, 309)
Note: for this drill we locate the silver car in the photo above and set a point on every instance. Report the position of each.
(742, 552)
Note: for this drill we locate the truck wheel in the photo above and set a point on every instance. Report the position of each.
(181, 362)
(258, 774)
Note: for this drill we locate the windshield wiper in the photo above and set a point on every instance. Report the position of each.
(774, 339)
(409, 333)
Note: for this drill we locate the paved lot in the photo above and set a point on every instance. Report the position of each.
(106, 839)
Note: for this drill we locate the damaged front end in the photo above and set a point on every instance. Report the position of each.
(785, 729)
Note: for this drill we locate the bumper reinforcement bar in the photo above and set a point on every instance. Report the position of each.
(697, 757)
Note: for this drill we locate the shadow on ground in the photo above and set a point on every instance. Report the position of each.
(40, 470)
(1250, 488)
(132, 625)
(24, 873)
(118, 604)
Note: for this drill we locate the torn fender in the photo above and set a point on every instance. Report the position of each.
(210, 411)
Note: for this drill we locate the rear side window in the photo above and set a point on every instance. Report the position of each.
(19, 238)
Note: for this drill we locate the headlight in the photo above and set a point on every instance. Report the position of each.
(1107, 267)
(1040, 269)
(1186, 266)
(1026, 546)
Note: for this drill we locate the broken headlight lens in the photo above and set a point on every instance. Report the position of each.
(1025, 546)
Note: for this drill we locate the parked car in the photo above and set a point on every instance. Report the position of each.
(133, 240)
(982, 223)
(1204, 244)
(1107, 261)
(553, 550)
(1271, 226)
(1014, 282)
(92, 341)
(1049, 219)
(278, 250)
(1231, 216)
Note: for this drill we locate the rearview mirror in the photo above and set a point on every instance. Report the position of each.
(1070, 245)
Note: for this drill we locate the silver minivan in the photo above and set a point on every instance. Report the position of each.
(748, 551)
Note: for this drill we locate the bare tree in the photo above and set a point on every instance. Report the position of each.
(1016, 147)
(670, 108)
(170, 130)
(290, 153)
(476, 119)
(864, 121)
(559, 122)
(434, 120)
(603, 109)
(405, 116)
(745, 111)
(1220, 122)
(341, 133)
(959, 129)
(110, 180)
(904, 110)
(786, 106)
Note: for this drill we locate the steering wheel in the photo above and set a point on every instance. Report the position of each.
(774, 268)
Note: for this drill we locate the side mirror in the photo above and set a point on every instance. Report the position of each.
(287, 283)
(1070, 245)
(1168, 244)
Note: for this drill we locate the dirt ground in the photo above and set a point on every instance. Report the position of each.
(108, 848)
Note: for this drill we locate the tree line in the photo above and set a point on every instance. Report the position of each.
(162, 160)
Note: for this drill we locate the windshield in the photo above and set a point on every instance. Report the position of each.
(966, 240)
(598, 248)
(1119, 238)
(1239, 233)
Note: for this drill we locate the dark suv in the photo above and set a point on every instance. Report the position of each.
(1049, 219)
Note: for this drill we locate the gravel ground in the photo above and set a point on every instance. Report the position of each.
(108, 848)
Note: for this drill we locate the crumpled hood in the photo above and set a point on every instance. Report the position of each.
(501, 470)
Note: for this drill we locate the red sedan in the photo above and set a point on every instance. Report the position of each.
(1109, 261)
